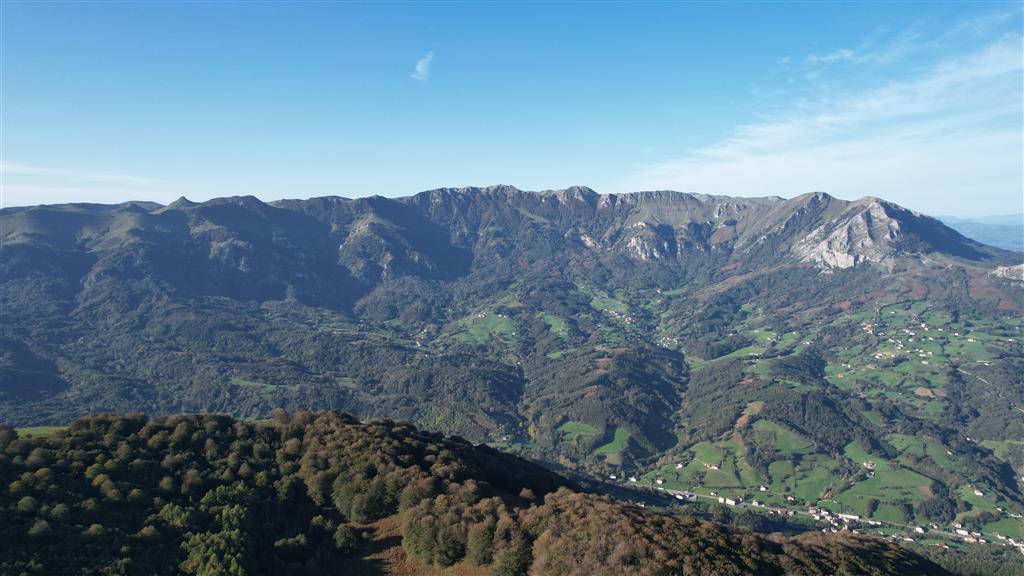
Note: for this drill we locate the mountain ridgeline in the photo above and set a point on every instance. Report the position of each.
(851, 354)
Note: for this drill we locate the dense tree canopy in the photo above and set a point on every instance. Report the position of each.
(313, 494)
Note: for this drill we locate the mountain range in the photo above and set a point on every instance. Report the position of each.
(851, 355)
(1001, 231)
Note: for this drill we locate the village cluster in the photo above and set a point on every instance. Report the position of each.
(831, 521)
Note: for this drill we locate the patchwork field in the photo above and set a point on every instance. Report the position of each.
(485, 327)
(612, 451)
(905, 353)
(572, 429)
(39, 431)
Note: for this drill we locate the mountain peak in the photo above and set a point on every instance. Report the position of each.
(182, 202)
(816, 197)
(575, 193)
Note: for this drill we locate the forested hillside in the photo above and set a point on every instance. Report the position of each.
(325, 494)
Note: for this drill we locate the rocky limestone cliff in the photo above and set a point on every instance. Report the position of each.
(865, 232)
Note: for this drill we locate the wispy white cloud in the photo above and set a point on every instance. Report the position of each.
(840, 55)
(422, 70)
(881, 48)
(886, 46)
(983, 24)
(949, 133)
(30, 184)
(13, 168)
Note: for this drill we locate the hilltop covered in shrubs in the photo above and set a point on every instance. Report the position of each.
(326, 494)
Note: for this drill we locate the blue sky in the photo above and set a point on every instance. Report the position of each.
(919, 103)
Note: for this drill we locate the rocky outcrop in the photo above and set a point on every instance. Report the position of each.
(864, 233)
(1010, 272)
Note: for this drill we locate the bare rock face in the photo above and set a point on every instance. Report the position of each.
(588, 241)
(865, 232)
(1015, 273)
(647, 242)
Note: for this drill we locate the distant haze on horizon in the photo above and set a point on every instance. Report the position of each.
(919, 104)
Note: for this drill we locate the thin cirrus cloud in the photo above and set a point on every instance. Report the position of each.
(12, 168)
(25, 184)
(422, 70)
(880, 49)
(928, 142)
(840, 55)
